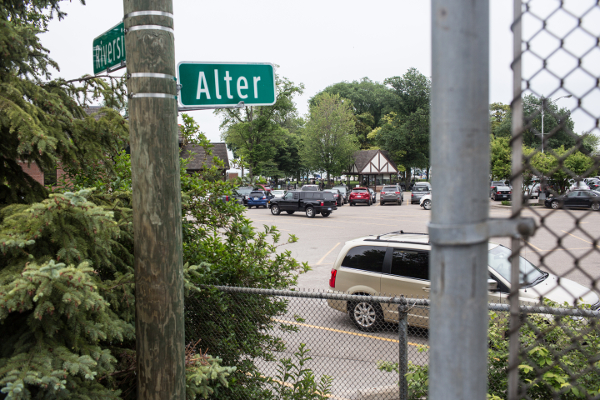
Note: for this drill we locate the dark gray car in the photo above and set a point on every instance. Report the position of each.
(391, 194)
(419, 190)
(344, 191)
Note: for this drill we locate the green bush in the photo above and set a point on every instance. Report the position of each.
(559, 359)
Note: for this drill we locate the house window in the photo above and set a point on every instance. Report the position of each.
(50, 177)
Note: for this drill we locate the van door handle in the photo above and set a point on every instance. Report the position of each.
(426, 288)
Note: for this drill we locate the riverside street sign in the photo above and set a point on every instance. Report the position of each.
(109, 49)
(214, 84)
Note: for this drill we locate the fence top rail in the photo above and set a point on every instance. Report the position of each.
(401, 300)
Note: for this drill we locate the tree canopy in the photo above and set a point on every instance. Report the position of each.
(405, 131)
(370, 102)
(43, 121)
(256, 133)
(329, 140)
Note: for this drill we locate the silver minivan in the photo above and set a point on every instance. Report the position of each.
(398, 264)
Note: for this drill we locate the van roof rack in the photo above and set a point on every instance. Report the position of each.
(400, 232)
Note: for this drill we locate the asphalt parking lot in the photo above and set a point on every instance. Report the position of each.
(350, 356)
(320, 239)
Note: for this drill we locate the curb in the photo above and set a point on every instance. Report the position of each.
(378, 392)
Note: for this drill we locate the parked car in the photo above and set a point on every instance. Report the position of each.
(373, 196)
(575, 199)
(501, 193)
(262, 186)
(425, 202)
(339, 201)
(258, 198)
(576, 185)
(419, 190)
(494, 184)
(594, 184)
(360, 195)
(278, 193)
(242, 193)
(344, 191)
(391, 194)
(397, 264)
(310, 202)
(532, 191)
(310, 187)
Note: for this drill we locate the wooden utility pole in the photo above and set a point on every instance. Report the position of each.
(159, 323)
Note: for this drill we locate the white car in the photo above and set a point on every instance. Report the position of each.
(577, 185)
(278, 193)
(425, 201)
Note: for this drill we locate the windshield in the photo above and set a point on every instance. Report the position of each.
(279, 192)
(498, 260)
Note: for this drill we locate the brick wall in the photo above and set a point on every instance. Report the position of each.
(34, 171)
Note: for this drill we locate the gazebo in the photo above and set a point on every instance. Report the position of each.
(373, 168)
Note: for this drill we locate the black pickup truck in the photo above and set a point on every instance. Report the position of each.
(312, 203)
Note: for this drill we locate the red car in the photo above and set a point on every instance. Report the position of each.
(360, 195)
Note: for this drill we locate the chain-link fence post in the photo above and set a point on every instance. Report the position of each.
(460, 157)
(403, 350)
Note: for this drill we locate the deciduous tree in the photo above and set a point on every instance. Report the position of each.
(329, 140)
(257, 132)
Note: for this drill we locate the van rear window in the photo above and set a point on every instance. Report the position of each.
(365, 258)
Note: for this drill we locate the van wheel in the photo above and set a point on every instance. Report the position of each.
(275, 209)
(366, 316)
(310, 212)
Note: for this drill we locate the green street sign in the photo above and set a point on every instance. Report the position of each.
(109, 49)
(221, 84)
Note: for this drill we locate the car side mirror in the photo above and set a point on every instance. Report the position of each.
(492, 285)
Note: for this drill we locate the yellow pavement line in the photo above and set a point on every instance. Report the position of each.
(347, 332)
(574, 248)
(535, 247)
(326, 254)
(576, 237)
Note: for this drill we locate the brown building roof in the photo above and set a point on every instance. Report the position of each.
(200, 158)
(363, 157)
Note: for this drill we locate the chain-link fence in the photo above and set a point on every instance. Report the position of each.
(555, 128)
(363, 346)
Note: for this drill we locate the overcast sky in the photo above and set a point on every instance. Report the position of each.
(317, 43)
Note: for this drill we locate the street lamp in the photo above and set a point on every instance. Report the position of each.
(542, 194)
(543, 107)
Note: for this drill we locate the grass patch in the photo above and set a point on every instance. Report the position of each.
(505, 203)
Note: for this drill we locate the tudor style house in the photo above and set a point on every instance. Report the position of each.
(373, 168)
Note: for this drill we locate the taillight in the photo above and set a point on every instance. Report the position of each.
(264, 198)
(412, 195)
(382, 192)
(397, 192)
(322, 204)
(226, 198)
(509, 192)
(332, 278)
